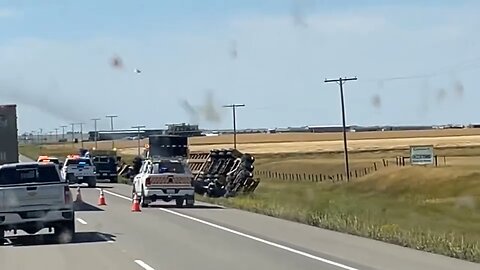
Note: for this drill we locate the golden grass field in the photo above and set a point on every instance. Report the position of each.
(319, 142)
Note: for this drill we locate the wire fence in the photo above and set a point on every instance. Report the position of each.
(354, 173)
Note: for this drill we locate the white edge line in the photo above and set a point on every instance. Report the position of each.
(117, 195)
(105, 238)
(292, 250)
(82, 221)
(144, 265)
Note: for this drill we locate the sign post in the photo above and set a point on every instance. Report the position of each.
(421, 155)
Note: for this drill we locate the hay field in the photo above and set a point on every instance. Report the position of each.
(314, 142)
(328, 142)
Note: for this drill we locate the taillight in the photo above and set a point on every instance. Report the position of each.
(148, 181)
(67, 195)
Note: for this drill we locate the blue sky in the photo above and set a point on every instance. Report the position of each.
(56, 61)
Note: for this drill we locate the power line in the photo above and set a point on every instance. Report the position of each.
(340, 82)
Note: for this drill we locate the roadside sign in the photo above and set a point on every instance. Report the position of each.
(421, 154)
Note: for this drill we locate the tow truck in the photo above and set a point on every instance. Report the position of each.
(165, 174)
(78, 169)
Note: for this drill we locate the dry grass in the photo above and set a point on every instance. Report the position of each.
(432, 209)
(314, 137)
(318, 142)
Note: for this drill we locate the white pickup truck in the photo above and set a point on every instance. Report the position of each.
(164, 180)
(78, 170)
(33, 196)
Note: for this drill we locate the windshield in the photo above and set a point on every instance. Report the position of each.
(168, 167)
(17, 176)
(79, 161)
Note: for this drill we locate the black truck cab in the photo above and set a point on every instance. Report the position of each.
(105, 164)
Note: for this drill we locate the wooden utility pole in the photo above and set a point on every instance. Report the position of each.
(341, 81)
(234, 111)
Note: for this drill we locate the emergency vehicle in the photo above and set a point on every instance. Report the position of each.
(165, 174)
(46, 159)
(77, 170)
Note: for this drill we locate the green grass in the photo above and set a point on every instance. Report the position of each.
(430, 209)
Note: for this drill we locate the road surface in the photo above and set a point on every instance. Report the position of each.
(204, 237)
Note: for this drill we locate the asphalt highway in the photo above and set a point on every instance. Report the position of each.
(203, 237)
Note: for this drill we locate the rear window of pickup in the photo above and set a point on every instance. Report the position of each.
(79, 161)
(27, 175)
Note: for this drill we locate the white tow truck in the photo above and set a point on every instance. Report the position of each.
(165, 180)
(33, 196)
(77, 169)
(165, 174)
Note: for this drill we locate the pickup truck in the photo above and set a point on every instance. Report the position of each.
(79, 170)
(33, 197)
(165, 180)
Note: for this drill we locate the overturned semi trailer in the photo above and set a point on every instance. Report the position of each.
(222, 172)
(217, 173)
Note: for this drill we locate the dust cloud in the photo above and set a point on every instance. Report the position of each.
(299, 14)
(441, 94)
(233, 49)
(44, 101)
(116, 62)
(458, 88)
(376, 101)
(208, 111)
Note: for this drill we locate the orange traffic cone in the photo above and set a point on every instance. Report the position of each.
(79, 196)
(136, 204)
(101, 199)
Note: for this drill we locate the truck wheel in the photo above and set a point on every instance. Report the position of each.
(71, 178)
(190, 202)
(143, 202)
(92, 182)
(65, 232)
(2, 236)
(114, 179)
(179, 202)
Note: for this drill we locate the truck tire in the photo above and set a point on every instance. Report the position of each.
(143, 201)
(71, 178)
(190, 201)
(65, 231)
(92, 182)
(179, 202)
(2, 236)
(114, 179)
